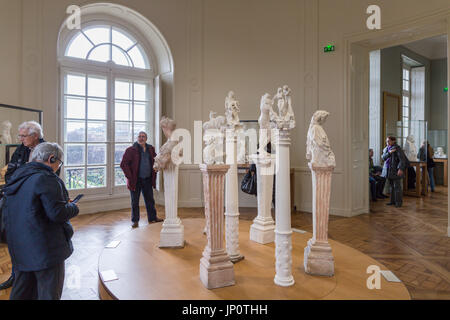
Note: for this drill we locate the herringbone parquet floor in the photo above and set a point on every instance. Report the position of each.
(411, 241)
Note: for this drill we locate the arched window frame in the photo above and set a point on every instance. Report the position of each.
(112, 72)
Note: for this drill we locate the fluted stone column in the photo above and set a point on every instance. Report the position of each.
(283, 229)
(263, 227)
(318, 257)
(216, 269)
(172, 233)
(232, 199)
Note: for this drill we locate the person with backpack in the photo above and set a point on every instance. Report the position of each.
(395, 164)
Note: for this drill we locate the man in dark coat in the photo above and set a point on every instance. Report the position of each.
(396, 164)
(30, 134)
(137, 165)
(36, 214)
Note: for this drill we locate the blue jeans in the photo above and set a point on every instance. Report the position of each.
(431, 176)
(144, 186)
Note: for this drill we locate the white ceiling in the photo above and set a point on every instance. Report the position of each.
(431, 48)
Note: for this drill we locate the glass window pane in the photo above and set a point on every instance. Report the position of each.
(123, 111)
(140, 111)
(75, 108)
(119, 151)
(75, 131)
(122, 40)
(97, 109)
(98, 35)
(96, 177)
(140, 92)
(74, 178)
(75, 84)
(96, 154)
(79, 47)
(137, 56)
(74, 154)
(96, 131)
(123, 132)
(407, 74)
(97, 87)
(405, 85)
(405, 101)
(100, 53)
(138, 127)
(119, 177)
(123, 90)
(120, 58)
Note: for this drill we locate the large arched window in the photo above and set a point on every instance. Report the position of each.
(107, 99)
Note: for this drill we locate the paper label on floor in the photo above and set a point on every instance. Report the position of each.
(298, 230)
(113, 244)
(390, 276)
(109, 275)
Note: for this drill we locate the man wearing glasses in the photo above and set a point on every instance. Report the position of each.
(37, 212)
(31, 135)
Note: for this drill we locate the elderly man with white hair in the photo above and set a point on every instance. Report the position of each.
(37, 212)
(30, 134)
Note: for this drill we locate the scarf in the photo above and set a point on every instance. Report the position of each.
(388, 161)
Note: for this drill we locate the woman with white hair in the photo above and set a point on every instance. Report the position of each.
(30, 134)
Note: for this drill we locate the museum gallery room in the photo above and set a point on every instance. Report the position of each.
(224, 150)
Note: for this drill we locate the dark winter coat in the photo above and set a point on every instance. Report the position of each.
(398, 162)
(36, 215)
(131, 161)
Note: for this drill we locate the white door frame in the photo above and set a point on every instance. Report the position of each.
(433, 24)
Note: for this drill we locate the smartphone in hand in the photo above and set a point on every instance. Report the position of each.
(78, 198)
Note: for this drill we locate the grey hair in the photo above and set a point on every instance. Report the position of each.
(43, 151)
(143, 133)
(32, 127)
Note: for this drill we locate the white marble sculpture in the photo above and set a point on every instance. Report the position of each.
(213, 138)
(318, 150)
(410, 148)
(232, 108)
(5, 132)
(172, 232)
(285, 121)
(265, 122)
(285, 118)
(439, 153)
(318, 256)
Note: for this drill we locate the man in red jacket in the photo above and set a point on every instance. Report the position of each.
(137, 165)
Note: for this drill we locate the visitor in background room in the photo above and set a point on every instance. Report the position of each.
(426, 154)
(137, 165)
(30, 135)
(395, 166)
(36, 214)
(377, 182)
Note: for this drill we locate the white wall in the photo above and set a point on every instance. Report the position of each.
(249, 46)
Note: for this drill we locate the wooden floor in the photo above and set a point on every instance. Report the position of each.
(411, 241)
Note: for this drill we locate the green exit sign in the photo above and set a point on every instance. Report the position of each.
(446, 89)
(329, 48)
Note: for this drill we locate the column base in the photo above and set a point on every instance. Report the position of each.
(262, 233)
(284, 282)
(216, 272)
(172, 236)
(318, 259)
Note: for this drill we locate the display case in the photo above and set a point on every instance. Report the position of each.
(10, 119)
(438, 141)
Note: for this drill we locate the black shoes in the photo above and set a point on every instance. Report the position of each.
(135, 225)
(7, 284)
(156, 221)
(390, 204)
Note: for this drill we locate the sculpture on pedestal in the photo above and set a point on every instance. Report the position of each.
(285, 121)
(410, 148)
(318, 256)
(213, 137)
(5, 132)
(265, 124)
(440, 153)
(232, 108)
(172, 232)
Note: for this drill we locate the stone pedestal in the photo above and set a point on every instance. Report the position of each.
(318, 258)
(172, 233)
(216, 269)
(263, 228)
(232, 199)
(283, 229)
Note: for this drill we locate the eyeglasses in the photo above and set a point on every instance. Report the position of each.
(23, 136)
(61, 163)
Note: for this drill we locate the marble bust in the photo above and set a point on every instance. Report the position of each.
(5, 132)
(164, 158)
(439, 153)
(318, 149)
(410, 148)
